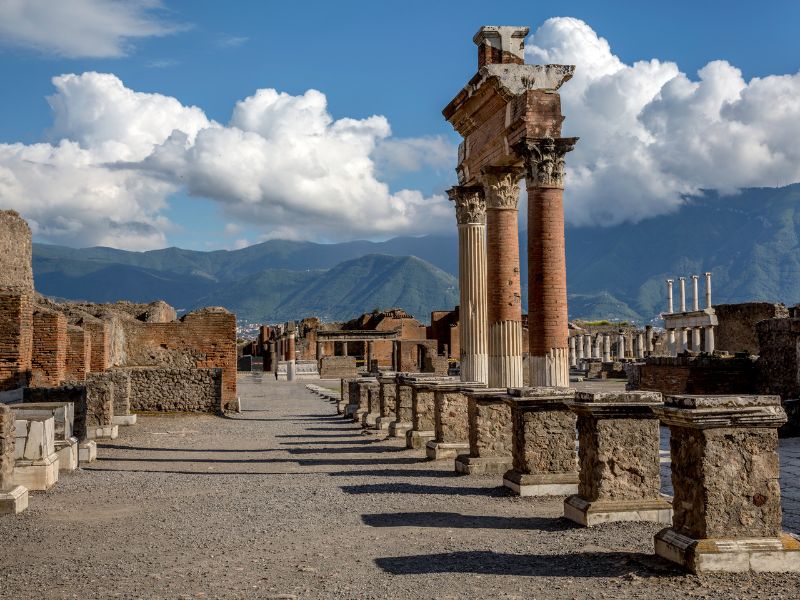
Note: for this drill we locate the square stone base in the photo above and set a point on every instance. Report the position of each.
(37, 475)
(382, 423)
(106, 432)
(13, 501)
(358, 416)
(440, 450)
(340, 407)
(593, 513)
(350, 410)
(417, 440)
(124, 420)
(547, 484)
(482, 465)
(369, 419)
(761, 555)
(67, 451)
(87, 452)
(398, 428)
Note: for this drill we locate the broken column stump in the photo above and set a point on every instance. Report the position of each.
(725, 469)
(618, 454)
(543, 426)
(490, 433)
(13, 497)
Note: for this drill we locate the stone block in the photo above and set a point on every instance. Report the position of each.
(13, 501)
(67, 452)
(417, 440)
(87, 452)
(436, 450)
(106, 432)
(490, 433)
(37, 475)
(124, 420)
(727, 505)
(543, 443)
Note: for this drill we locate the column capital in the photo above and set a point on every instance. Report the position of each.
(500, 187)
(470, 204)
(544, 160)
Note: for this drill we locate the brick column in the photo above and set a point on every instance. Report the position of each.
(547, 270)
(290, 357)
(473, 341)
(504, 309)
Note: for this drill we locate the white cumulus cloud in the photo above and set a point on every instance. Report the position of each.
(651, 134)
(282, 164)
(80, 28)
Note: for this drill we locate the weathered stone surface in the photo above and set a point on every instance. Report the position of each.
(334, 367)
(388, 396)
(121, 378)
(490, 432)
(176, 390)
(543, 438)
(74, 394)
(403, 403)
(450, 412)
(7, 446)
(422, 408)
(99, 400)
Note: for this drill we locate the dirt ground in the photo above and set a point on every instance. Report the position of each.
(287, 500)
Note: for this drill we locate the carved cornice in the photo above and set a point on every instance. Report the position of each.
(500, 187)
(544, 160)
(470, 204)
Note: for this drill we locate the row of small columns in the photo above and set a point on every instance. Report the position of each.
(489, 270)
(582, 348)
(680, 343)
(370, 350)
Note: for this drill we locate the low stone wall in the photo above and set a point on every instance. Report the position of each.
(176, 390)
(736, 331)
(695, 375)
(337, 367)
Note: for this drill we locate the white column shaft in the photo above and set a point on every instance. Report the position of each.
(472, 284)
(505, 359)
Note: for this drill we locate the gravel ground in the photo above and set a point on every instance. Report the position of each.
(287, 500)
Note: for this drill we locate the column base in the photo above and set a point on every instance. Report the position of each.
(358, 416)
(440, 450)
(340, 407)
(105, 432)
(350, 410)
(482, 465)
(36, 475)
(124, 420)
(417, 440)
(547, 484)
(67, 451)
(738, 555)
(382, 423)
(399, 428)
(13, 501)
(87, 452)
(369, 419)
(589, 514)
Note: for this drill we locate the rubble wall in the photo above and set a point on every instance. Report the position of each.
(176, 390)
(736, 331)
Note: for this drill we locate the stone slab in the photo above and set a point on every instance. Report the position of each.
(87, 452)
(417, 440)
(441, 450)
(124, 420)
(382, 423)
(14, 501)
(547, 484)
(36, 475)
(106, 432)
(482, 465)
(398, 428)
(589, 514)
(740, 555)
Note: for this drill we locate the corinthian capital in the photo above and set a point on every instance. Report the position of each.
(500, 187)
(544, 160)
(470, 204)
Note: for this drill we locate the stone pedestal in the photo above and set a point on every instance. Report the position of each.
(67, 452)
(543, 443)
(388, 399)
(124, 420)
(363, 385)
(727, 503)
(36, 461)
(490, 433)
(423, 421)
(87, 452)
(618, 441)
(13, 497)
(402, 409)
(105, 432)
(451, 424)
(370, 419)
(100, 407)
(344, 395)
(63, 415)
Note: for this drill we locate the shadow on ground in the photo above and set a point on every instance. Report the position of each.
(451, 520)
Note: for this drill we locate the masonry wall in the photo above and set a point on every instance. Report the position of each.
(408, 354)
(176, 390)
(16, 339)
(79, 354)
(100, 338)
(49, 357)
(204, 339)
(736, 331)
(16, 272)
(337, 367)
(779, 362)
(695, 375)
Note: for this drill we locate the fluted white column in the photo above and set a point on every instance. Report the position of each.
(471, 216)
(587, 340)
(606, 347)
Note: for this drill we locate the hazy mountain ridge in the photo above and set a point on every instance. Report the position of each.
(749, 241)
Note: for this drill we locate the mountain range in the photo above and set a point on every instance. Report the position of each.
(749, 241)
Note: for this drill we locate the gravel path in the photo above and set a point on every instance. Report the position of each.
(287, 500)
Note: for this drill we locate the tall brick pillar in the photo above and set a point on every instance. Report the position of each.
(290, 356)
(473, 342)
(504, 308)
(547, 269)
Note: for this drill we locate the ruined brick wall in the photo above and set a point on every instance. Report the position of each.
(100, 337)
(779, 362)
(444, 329)
(16, 272)
(79, 354)
(176, 390)
(408, 354)
(203, 339)
(337, 367)
(697, 375)
(736, 331)
(16, 339)
(49, 357)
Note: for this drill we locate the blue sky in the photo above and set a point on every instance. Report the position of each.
(403, 60)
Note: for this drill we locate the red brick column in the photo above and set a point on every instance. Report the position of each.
(79, 354)
(49, 360)
(547, 268)
(504, 307)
